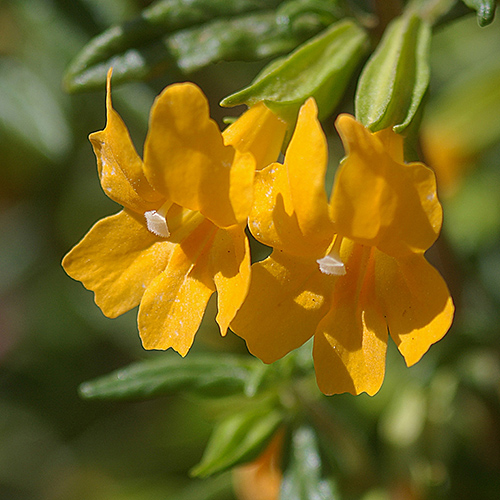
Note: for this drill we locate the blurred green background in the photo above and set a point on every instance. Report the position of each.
(433, 431)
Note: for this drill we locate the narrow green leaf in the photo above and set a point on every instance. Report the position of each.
(395, 79)
(485, 10)
(245, 38)
(207, 375)
(320, 68)
(161, 18)
(164, 39)
(239, 438)
(302, 479)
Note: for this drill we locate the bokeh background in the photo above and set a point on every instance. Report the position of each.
(432, 432)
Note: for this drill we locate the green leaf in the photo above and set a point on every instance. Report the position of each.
(302, 12)
(302, 479)
(395, 79)
(245, 38)
(239, 438)
(31, 116)
(161, 18)
(182, 35)
(320, 68)
(485, 10)
(207, 375)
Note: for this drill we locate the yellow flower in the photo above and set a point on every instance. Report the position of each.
(350, 269)
(180, 235)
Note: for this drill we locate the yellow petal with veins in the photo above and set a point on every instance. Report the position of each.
(288, 296)
(117, 260)
(381, 202)
(349, 352)
(230, 261)
(272, 220)
(186, 160)
(241, 179)
(351, 340)
(120, 168)
(306, 161)
(393, 144)
(257, 131)
(416, 303)
(290, 209)
(173, 305)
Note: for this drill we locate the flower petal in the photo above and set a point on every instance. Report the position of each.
(351, 341)
(119, 166)
(416, 303)
(186, 160)
(272, 220)
(240, 188)
(117, 260)
(306, 161)
(257, 131)
(288, 296)
(230, 261)
(173, 305)
(290, 205)
(393, 144)
(379, 201)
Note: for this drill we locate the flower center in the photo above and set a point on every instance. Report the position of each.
(156, 220)
(331, 263)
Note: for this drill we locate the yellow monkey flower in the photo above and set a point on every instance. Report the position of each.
(180, 235)
(348, 270)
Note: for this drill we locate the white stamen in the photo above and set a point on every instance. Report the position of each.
(156, 221)
(332, 263)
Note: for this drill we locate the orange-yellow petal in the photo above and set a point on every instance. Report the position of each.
(288, 296)
(393, 143)
(306, 161)
(119, 166)
(379, 201)
(415, 301)
(351, 341)
(172, 307)
(290, 210)
(241, 179)
(230, 262)
(257, 131)
(186, 160)
(261, 479)
(117, 260)
(350, 360)
(272, 220)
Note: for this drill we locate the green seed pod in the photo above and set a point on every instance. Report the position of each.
(396, 77)
(320, 68)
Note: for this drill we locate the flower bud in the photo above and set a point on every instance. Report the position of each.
(396, 77)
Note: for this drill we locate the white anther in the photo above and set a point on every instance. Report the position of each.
(157, 223)
(331, 264)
